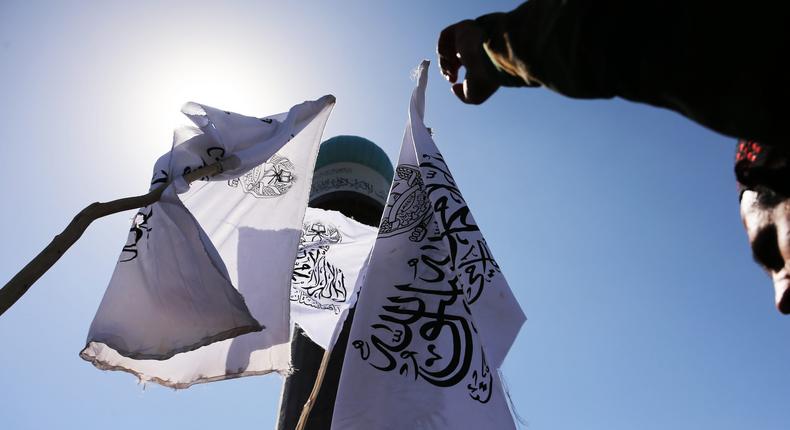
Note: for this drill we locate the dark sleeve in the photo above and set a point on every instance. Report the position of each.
(716, 62)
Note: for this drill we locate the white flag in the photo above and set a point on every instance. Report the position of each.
(332, 251)
(435, 316)
(249, 223)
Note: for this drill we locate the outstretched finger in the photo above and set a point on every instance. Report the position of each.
(447, 52)
(474, 92)
(481, 80)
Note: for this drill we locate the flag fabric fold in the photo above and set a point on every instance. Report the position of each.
(332, 252)
(435, 317)
(200, 291)
(167, 294)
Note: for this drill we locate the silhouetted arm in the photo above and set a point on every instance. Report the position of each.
(718, 63)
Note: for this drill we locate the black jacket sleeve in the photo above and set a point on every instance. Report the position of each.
(716, 62)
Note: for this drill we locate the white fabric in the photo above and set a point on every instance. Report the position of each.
(247, 141)
(249, 226)
(146, 311)
(332, 251)
(435, 316)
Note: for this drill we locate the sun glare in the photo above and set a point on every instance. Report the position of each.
(224, 79)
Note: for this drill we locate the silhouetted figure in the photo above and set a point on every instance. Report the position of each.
(716, 62)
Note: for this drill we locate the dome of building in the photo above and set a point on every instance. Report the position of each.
(352, 175)
(354, 149)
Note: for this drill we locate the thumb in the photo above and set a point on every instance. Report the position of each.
(475, 91)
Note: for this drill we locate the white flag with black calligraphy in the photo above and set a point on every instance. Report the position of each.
(201, 289)
(332, 252)
(435, 316)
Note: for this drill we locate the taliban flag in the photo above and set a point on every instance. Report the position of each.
(435, 316)
(201, 288)
(332, 251)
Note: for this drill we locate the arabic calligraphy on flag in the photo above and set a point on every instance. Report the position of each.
(332, 251)
(201, 289)
(435, 317)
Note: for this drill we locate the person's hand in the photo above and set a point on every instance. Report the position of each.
(461, 44)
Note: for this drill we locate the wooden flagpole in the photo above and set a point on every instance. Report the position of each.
(319, 379)
(19, 284)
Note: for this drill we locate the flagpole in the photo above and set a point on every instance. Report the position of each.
(22, 281)
(319, 379)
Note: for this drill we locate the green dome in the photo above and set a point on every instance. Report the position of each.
(354, 149)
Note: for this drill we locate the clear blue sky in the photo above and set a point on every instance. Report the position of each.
(616, 224)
